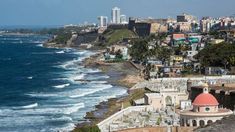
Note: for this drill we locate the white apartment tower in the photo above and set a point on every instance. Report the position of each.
(123, 19)
(116, 13)
(103, 21)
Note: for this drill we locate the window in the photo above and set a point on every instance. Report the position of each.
(207, 109)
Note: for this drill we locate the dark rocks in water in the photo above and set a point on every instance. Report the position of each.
(224, 125)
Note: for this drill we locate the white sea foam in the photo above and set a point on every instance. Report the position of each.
(98, 77)
(42, 95)
(97, 88)
(71, 65)
(60, 52)
(40, 45)
(98, 82)
(74, 108)
(30, 106)
(75, 78)
(32, 110)
(30, 78)
(61, 86)
(37, 42)
(92, 71)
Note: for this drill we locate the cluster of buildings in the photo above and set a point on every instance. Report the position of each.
(186, 32)
(116, 18)
(174, 103)
(168, 107)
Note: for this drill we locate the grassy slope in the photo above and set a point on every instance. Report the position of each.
(114, 36)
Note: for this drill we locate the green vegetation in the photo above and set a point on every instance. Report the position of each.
(141, 50)
(87, 129)
(62, 37)
(62, 34)
(114, 36)
(217, 55)
(159, 120)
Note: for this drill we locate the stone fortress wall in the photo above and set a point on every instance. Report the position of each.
(180, 84)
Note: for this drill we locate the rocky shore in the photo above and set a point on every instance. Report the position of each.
(122, 74)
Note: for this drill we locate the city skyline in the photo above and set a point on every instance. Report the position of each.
(60, 12)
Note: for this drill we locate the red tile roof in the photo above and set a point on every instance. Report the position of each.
(205, 99)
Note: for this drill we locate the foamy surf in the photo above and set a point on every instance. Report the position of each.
(61, 86)
(77, 77)
(53, 108)
(98, 87)
(60, 52)
(41, 95)
(30, 78)
(39, 45)
(30, 106)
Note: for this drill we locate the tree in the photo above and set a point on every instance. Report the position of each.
(217, 55)
(139, 50)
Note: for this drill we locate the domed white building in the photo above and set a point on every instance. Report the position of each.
(205, 110)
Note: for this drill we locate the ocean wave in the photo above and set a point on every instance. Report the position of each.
(81, 52)
(30, 78)
(98, 77)
(41, 95)
(32, 110)
(75, 78)
(74, 108)
(92, 71)
(71, 65)
(42, 53)
(97, 88)
(37, 42)
(98, 82)
(11, 39)
(30, 106)
(39, 45)
(60, 52)
(61, 86)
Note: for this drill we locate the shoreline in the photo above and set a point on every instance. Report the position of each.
(121, 74)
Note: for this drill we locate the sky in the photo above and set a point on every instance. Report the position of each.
(60, 12)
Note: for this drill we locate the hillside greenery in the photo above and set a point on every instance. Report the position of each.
(111, 36)
(87, 129)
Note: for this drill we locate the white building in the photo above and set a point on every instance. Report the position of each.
(103, 21)
(116, 14)
(123, 19)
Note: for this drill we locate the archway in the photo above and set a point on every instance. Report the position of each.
(168, 101)
(209, 122)
(182, 122)
(202, 123)
(188, 123)
(194, 123)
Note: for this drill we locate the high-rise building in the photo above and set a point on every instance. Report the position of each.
(207, 23)
(116, 13)
(123, 19)
(103, 21)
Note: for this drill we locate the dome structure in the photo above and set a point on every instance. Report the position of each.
(205, 110)
(205, 99)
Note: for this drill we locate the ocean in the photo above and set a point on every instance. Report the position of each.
(43, 89)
